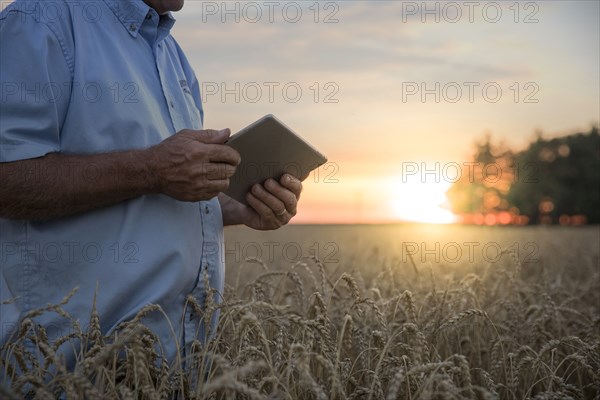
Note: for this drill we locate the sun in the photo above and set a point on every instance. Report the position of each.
(417, 201)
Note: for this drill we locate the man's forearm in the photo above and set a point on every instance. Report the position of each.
(58, 185)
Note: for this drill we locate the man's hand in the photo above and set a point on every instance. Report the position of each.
(272, 204)
(193, 165)
(188, 166)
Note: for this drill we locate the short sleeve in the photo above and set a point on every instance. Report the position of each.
(36, 86)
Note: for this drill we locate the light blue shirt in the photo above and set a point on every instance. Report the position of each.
(90, 77)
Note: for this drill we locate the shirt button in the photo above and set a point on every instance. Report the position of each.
(206, 210)
(172, 104)
(132, 27)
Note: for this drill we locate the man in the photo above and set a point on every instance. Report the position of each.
(108, 181)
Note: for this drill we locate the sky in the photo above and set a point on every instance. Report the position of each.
(393, 91)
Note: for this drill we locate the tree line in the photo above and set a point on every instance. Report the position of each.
(552, 181)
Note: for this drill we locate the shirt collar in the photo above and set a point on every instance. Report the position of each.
(132, 13)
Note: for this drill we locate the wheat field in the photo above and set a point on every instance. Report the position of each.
(358, 312)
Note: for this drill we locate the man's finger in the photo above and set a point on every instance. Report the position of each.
(211, 136)
(263, 210)
(292, 184)
(287, 197)
(219, 153)
(273, 201)
(217, 171)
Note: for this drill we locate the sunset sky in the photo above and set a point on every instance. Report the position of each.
(354, 74)
(372, 59)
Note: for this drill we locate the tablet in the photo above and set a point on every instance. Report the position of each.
(269, 149)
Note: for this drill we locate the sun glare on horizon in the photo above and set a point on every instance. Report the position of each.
(424, 202)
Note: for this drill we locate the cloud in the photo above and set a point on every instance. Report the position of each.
(368, 39)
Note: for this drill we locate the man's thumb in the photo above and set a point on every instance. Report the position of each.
(212, 136)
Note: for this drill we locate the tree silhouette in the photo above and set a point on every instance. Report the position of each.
(485, 181)
(559, 177)
(552, 181)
